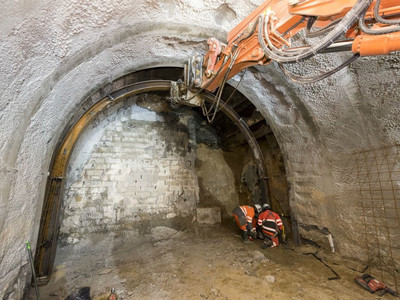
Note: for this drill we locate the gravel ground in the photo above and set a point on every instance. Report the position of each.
(199, 263)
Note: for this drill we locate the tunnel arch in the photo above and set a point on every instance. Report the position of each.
(46, 46)
(156, 79)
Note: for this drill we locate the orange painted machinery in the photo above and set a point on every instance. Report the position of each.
(364, 27)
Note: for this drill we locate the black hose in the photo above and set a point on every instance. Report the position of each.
(348, 20)
(312, 79)
(206, 112)
(294, 25)
(234, 91)
(253, 29)
(379, 19)
(384, 30)
(321, 31)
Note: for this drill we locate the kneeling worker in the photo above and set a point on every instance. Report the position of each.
(271, 226)
(246, 219)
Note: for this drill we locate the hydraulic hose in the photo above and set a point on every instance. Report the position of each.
(348, 20)
(379, 19)
(384, 30)
(317, 33)
(312, 79)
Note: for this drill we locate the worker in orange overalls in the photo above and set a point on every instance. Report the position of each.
(246, 219)
(271, 226)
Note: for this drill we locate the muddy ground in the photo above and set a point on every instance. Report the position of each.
(204, 262)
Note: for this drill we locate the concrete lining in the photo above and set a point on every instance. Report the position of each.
(55, 55)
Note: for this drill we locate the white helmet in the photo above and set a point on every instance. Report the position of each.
(258, 208)
(266, 206)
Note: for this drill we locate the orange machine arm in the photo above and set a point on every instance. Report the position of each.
(265, 35)
(368, 27)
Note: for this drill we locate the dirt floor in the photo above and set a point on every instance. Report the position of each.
(200, 263)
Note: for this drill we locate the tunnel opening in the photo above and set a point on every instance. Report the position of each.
(169, 254)
(223, 165)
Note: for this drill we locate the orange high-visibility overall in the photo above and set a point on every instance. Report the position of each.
(271, 223)
(244, 216)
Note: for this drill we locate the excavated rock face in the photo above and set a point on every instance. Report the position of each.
(54, 54)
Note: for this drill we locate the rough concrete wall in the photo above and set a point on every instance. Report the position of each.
(319, 127)
(140, 169)
(216, 180)
(55, 53)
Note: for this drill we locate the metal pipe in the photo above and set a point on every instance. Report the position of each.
(28, 248)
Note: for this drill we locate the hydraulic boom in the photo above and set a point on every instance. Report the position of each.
(363, 27)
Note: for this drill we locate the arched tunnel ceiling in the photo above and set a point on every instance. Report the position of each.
(55, 54)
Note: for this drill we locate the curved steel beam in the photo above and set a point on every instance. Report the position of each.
(252, 141)
(48, 233)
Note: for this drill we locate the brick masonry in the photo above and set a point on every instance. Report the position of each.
(134, 167)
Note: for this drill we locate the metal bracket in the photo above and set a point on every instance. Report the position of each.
(186, 92)
(194, 72)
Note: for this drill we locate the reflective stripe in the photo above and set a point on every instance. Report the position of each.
(269, 229)
(244, 210)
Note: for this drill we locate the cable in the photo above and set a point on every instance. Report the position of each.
(384, 30)
(217, 100)
(211, 80)
(253, 29)
(312, 79)
(318, 32)
(379, 19)
(215, 104)
(234, 91)
(294, 25)
(226, 60)
(347, 21)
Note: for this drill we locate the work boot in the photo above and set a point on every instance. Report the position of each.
(245, 237)
(266, 244)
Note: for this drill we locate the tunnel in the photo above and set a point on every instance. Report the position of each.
(114, 186)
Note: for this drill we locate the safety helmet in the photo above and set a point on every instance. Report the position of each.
(258, 208)
(266, 206)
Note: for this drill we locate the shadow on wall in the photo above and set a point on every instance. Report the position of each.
(144, 169)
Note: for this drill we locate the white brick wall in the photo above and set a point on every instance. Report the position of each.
(134, 172)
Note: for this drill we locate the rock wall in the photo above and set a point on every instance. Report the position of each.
(322, 129)
(216, 181)
(54, 54)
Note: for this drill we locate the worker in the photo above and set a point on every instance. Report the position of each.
(113, 295)
(246, 219)
(271, 227)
